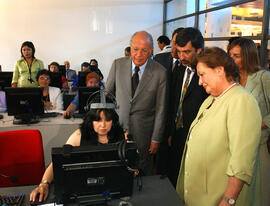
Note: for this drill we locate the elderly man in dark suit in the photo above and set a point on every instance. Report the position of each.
(139, 85)
(186, 97)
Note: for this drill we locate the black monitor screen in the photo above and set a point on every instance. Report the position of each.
(62, 69)
(81, 78)
(56, 79)
(24, 101)
(85, 97)
(93, 171)
(5, 79)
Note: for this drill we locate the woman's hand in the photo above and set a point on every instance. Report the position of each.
(14, 85)
(42, 190)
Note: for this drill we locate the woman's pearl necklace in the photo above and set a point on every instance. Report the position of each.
(229, 87)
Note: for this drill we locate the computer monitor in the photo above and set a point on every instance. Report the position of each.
(25, 104)
(56, 79)
(5, 79)
(81, 78)
(85, 96)
(93, 173)
(62, 69)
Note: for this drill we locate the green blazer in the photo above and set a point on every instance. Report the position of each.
(259, 86)
(21, 73)
(223, 141)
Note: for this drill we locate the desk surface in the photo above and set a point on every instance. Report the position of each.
(155, 191)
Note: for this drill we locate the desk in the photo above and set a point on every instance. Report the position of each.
(55, 131)
(155, 191)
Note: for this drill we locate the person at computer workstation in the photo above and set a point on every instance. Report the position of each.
(100, 126)
(70, 73)
(54, 67)
(92, 80)
(27, 67)
(94, 68)
(51, 95)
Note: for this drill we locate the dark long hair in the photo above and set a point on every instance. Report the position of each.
(88, 133)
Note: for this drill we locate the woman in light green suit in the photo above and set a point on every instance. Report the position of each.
(257, 81)
(27, 67)
(220, 161)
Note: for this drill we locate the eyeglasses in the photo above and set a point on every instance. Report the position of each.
(44, 78)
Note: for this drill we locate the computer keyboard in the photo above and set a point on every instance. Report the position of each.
(12, 200)
(50, 114)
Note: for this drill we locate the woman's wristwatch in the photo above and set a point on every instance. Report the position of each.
(46, 182)
(230, 201)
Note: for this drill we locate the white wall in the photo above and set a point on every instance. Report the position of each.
(75, 30)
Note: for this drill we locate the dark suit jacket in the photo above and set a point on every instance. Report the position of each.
(166, 60)
(193, 99)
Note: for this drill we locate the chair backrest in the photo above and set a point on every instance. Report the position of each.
(21, 157)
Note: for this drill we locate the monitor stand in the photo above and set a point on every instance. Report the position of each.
(25, 119)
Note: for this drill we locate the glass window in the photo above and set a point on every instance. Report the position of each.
(208, 4)
(179, 8)
(229, 22)
(221, 44)
(171, 26)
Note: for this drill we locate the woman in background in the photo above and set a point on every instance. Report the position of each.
(27, 67)
(100, 126)
(51, 95)
(54, 67)
(220, 165)
(257, 81)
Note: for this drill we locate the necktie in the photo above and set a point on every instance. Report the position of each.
(135, 80)
(179, 115)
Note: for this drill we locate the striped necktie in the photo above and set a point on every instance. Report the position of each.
(179, 115)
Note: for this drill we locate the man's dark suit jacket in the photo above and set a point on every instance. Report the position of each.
(166, 60)
(193, 99)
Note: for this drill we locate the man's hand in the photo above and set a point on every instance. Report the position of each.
(153, 147)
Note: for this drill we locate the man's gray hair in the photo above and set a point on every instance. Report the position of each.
(149, 39)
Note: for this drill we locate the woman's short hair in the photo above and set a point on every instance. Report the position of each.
(54, 64)
(249, 54)
(92, 75)
(116, 133)
(214, 57)
(30, 45)
(43, 72)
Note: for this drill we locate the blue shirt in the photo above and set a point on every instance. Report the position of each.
(75, 101)
(76, 81)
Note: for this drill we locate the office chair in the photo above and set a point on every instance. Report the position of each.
(21, 158)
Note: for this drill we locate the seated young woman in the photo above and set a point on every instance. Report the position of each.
(51, 95)
(99, 127)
